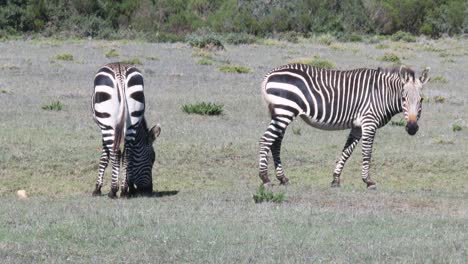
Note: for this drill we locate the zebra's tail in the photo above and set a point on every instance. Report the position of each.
(121, 126)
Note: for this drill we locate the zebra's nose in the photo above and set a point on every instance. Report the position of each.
(412, 128)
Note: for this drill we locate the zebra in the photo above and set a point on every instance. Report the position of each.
(118, 105)
(362, 100)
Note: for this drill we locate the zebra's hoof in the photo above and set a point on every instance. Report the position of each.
(372, 187)
(268, 185)
(124, 195)
(96, 193)
(335, 184)
(284, 181)
(112, 195)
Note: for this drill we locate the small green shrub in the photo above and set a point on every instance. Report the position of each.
(426, 99)
(439, 99)
(204, 61)
(403, 36)
(112, 54)
(133, 61)
(265, 195)
(204, 39)
(382, 46)
(203, 108)
(439, 79)
(326, 40)
(400, 122)
(240, 38)
(234, 69)
(64, 57)
(296, 131)
(289, 36)
(390, 57)
(316, 62)
(54, 106)
(456, 127)
(203, 54)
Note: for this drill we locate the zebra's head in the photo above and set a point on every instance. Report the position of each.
(412, 97)
(153, 133)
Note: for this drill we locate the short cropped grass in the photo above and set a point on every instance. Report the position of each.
(64, 57)
(234, 69)
(203, 108)
(204, 61)
(53, 106)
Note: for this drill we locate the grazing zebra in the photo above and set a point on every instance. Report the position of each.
(361, 100)
(118, 105)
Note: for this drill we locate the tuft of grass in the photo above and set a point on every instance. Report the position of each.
(203, 108)
(443, 54)
(426, 99)
(439, 99)
(204, 61)
(64, 57)
(134, 61)
(235, 69)
(152, 58)
(203, 54)
(265, 195)
(112, 54)
(316, 62)
(391, 57)
(4, 91)
(456, 127)
(205, 40)
(444, 142)
(403, 36)
(326, 40)
(439, 79)
(400, 122)
(296, 131)
(54, 106)
(382, 46)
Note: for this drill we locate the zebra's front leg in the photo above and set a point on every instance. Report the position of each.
(351, 143)
(115, 159)
(368, 134)
(103, 162)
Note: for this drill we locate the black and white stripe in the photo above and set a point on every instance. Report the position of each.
(361, 100)
(118, 105)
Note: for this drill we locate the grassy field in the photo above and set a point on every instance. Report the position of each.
(206, 170)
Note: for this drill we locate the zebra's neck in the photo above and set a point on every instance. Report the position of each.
(391, 96)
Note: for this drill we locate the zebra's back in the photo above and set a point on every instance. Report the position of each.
(326, 99)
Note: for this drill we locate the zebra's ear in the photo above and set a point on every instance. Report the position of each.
(154, 133)
(425, 76)
(403, 73)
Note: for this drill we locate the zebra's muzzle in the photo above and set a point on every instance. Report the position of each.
(412, 128)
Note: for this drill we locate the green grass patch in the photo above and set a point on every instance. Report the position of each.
(204, 61)
(152, 58)
(456, 127)
(203, 108)
(443, 54)
(133, 61)
(112, 54)
(54, 106)
(205, 40)
(439, 99)
(382, 46)
(296, 131)
(439, 79)
(326, 40)
(64, 57)
(316, 62)
(266, 195)
(403, 36)
(400, 122)
(391, 57)
(240, 38)
(235, 69)
(2, 91)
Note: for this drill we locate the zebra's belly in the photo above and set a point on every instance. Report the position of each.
(326, 126)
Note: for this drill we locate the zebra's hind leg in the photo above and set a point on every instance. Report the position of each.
(271, 140)
(353, 140)
(115, 159)
(103, 162)
(124, 185)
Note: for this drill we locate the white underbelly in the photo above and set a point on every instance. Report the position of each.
(325, 126)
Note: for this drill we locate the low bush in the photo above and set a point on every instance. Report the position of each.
(456, 128)
(240, 38)
(265, 195)
(64, 57)
(203, 108)
(235, 69)
(390, 57)
(403, 36)
(112, 54)
(205, 39)
(326, 40)
(54, 106)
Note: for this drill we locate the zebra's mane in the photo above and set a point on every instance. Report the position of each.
(396, 70)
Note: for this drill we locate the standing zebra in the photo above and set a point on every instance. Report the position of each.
(118, 105)
(361, 99)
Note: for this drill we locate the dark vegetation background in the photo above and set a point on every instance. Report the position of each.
(172, 20)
